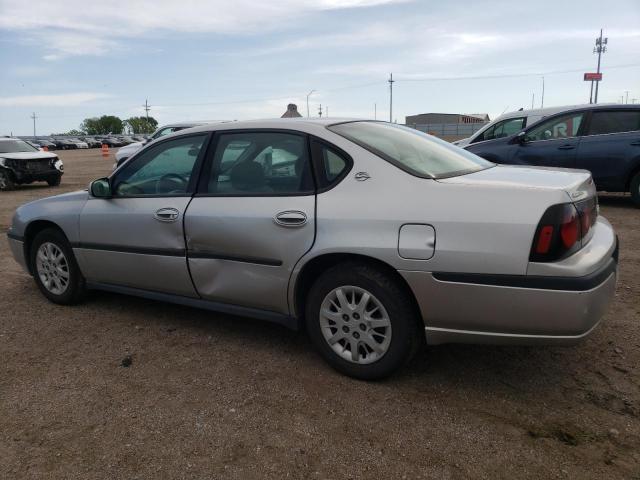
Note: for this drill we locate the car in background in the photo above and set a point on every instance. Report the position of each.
(112, 142)
(21, 163)
(65, 144)
(33, 144)
(45, 143)
(79, 143)
(123, 153)
(604, 139)
(374, 237)
(91, 142)
(510, 123)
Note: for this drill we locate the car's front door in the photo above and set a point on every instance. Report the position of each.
(551, 143)
(136, 238)
(252, 219)
(610, 146)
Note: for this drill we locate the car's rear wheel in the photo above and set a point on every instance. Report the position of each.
(6, 180)
(635, 189)
(54, 180)
(362, 321)
(55, 269)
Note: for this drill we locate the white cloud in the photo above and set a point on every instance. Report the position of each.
(72, 27)
(57, 100)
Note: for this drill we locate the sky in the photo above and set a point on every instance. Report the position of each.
(67, 60)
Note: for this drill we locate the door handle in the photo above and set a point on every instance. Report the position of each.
(166, 214)
(290, 218)
(566, 147)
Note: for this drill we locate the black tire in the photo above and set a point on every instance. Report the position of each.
(407, 334)
(634, 188)
(54, 180)
(6, 180)
(76, 287)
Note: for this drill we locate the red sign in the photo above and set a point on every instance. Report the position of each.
(592, 76)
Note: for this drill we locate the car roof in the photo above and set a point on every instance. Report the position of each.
(300, 124)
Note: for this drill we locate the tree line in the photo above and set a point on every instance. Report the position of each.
(107, 124)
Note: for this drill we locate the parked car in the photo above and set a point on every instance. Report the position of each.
(510, 123)
(33, 144)
(372, 235)
(111, 142)
(79, 143)
(91, 142)
(604, 139)
(125, 152)
(22, 163)
(46, 143)
(65, 144)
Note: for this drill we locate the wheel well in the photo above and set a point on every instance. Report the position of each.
(30, 233)
(316, 266)
(633, 173)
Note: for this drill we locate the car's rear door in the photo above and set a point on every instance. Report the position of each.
(136, 238)
(551, 143)
(611, 147)
(252, 219)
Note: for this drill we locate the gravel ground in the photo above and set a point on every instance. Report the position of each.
(120, 387)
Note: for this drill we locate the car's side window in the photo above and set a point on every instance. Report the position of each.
(163, 170)
(565, 126)
(502, 129)
(260, 163)
(331, 164)
(603, 122)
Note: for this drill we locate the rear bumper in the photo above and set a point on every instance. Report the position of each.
(520, 310)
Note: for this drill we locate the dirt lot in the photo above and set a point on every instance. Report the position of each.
(214, 396)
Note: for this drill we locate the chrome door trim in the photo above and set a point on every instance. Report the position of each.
(290, 218)
(166, 214)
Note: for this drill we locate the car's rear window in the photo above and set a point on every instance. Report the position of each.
(411, 150)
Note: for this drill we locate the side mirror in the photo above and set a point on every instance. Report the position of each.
(520, 138)
(100, 188)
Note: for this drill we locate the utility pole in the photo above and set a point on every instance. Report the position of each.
(626, 94)
(391, 80)
(375, 111)
(542, 102)
(326, 111)
(308, 95)
(320, 111)
(147, 107)
(600, 48)
(33, 116)
(533, 99)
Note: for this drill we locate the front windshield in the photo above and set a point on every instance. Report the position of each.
(14, 146)
(411, 150)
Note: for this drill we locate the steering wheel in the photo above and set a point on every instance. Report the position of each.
(171, 183)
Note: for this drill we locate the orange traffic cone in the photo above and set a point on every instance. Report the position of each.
(105, 150)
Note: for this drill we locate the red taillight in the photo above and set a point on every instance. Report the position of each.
(570, 230)
(544, 239)
(563, 229)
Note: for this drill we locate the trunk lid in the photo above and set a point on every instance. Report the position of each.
(578, 184)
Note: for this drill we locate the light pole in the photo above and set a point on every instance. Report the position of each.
(391, 80)
(308, 95)
(600, 48)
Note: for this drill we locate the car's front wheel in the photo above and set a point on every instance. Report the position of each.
(54, 180)
(362, 321)
(55, 269)
(6, 180)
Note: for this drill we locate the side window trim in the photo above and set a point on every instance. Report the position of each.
(208, 164)
(197, 166)
(316, 159)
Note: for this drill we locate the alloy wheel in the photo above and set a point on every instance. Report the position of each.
(355, 324)
(53, 268)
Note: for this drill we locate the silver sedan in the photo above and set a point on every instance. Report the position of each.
(374, 237)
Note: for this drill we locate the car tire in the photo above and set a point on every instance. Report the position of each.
(55, 269)
(380, 350)
(635, 189)
(6, 180)
(54, 180)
